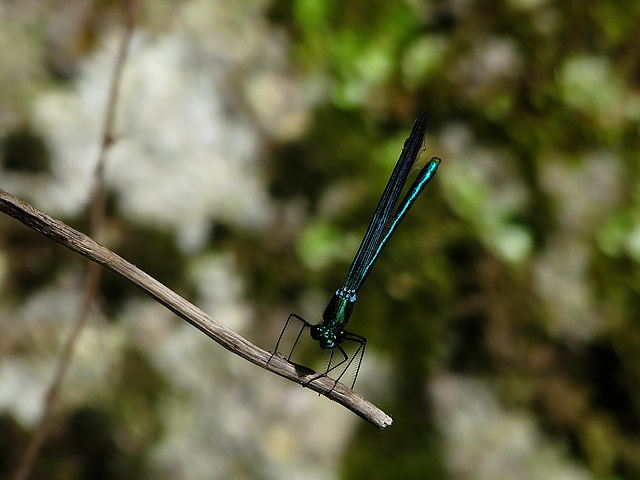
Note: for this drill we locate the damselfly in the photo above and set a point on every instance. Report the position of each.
(330, 333)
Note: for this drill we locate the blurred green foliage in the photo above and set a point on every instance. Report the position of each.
(521, 263)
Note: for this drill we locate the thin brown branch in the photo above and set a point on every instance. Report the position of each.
(94, 272)
(64, 361)
(87, 247)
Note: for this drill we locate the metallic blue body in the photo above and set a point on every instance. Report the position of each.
(384, 223)
(330, 333)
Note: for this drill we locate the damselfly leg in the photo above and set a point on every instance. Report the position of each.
(304, 326)
(340, 359)
(354, 358)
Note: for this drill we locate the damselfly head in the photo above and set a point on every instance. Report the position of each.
(328, 338)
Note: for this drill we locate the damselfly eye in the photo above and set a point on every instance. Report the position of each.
(341, 336)
(316, 332)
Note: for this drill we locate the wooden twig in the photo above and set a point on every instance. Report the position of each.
(87, 247)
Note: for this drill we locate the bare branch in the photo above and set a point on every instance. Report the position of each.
(87, 247)
(94, 273)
